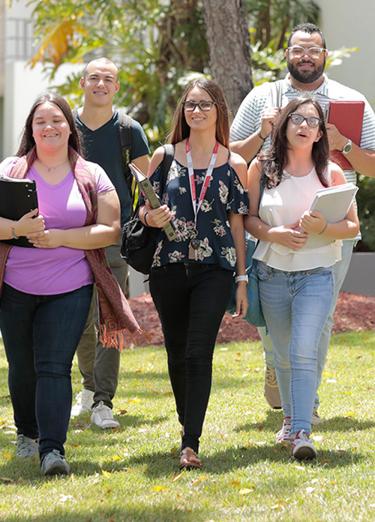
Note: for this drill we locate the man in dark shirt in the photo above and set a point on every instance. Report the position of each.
(98, 122)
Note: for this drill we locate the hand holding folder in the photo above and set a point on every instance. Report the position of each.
(17, 198)
(347, 116)
(147, 190)
(334, 203)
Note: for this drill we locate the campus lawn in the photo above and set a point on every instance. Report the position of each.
(131, 473)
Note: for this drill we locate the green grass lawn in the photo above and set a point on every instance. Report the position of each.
(132, 474)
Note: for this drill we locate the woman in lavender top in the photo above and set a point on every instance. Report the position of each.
(47, 289)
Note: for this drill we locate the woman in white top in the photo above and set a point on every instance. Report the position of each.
(295, 276)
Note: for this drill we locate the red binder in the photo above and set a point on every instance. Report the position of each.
(347, 116)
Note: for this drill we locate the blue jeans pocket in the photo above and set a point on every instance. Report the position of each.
(263, 271)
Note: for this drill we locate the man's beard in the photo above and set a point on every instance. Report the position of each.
(306, 76)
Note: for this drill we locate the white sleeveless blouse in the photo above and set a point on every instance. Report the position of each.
(284, 205)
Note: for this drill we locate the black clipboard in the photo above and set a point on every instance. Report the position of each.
(17, 197)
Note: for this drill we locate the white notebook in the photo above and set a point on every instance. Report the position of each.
(333, 203)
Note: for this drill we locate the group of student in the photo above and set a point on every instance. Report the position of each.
(213, 197)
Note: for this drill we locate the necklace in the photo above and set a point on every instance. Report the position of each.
(195, 243)
(54, 167)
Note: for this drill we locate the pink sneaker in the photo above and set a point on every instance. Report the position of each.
(302, 447)
(283, 436)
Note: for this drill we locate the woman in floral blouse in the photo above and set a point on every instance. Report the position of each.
(191, 276)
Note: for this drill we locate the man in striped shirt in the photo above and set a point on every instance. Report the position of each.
(306, 56)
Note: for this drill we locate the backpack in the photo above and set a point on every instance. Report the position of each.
(125, 123)
(138, 242)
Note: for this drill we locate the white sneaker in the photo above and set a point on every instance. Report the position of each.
(283, 436)
(102, 417)
(84, 401)
(302, 447)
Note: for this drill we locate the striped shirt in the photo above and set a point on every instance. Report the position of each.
(248, 117)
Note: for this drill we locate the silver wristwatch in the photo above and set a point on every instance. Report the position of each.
(347, 147)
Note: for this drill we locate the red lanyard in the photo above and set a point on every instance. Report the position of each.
(193, 191)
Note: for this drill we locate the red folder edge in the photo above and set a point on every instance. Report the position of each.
(347, 116)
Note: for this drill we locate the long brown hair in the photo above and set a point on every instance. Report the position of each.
(181, 130)
(27, 139)
(275, 159)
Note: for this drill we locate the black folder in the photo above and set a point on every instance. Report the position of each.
(17, 197)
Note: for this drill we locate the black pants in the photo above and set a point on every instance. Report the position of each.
(191, 300)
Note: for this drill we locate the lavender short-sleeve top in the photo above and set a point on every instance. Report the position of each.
(48, 271)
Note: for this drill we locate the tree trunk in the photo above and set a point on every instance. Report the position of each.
(228, 42)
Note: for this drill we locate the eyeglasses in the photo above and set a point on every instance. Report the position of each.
(298, 51)
(298, 119)
(204, 105)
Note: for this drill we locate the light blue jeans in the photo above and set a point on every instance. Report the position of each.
(295, 306)
(339, 271)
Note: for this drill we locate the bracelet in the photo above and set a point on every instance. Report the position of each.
(240, 278)
(260, 135)
(145, 218)
(13, 232)
(324, 229)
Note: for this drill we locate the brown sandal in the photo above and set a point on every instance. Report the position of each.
(189, 459)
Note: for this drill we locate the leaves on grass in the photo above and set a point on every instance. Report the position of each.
(158, 489)
(7, 455)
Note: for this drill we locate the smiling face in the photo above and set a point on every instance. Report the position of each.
(306, 68)
(198, 119)
(50, 128)
(303, 135)
(100, 83)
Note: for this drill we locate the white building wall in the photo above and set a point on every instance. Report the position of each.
(22, 86)
(348, 23)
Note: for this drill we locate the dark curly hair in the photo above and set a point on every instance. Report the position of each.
(274, 160)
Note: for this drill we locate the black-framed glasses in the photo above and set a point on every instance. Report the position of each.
(204, 105)
(298, 51)
(298, 119)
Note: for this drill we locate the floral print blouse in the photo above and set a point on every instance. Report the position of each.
(224, 194)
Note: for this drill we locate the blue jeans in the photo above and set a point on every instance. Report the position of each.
(295, 306)
(339, 271)
(41, 334)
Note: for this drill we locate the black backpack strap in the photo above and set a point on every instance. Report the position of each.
(165, 165)
(125, 123)
(126, 135)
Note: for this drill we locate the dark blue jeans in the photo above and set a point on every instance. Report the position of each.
(41, 334)
(191, 301)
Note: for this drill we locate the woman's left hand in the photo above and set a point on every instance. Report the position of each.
(51, 238)
(313, 222)
(241, 300)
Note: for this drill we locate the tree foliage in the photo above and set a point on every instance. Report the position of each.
(155, 44)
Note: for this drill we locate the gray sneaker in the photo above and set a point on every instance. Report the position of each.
(26, 447)
(54, 464)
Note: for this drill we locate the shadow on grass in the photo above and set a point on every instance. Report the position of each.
(139, 513)
(273, 420)
(163, 464)
(125, 420)
(343, 424)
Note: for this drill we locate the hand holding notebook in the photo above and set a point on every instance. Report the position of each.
(347, 116)
(333, 203)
